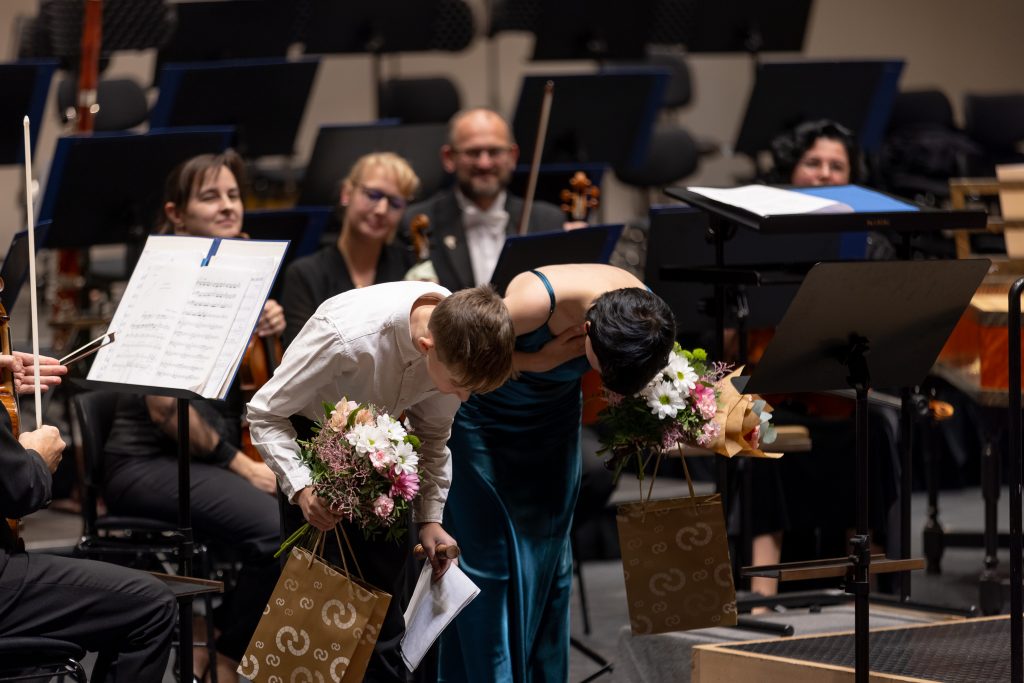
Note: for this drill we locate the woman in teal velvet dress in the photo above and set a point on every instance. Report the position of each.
(516, 465)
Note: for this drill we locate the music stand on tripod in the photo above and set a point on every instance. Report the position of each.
(862, 325)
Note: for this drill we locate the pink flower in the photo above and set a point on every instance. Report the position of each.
(383, 506)
(754, 437)
(709, 432)
(672, 435)
(705, 400)
(404, 484)
(380, 460)
(339, 417)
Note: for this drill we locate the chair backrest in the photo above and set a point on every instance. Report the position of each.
(919, 107)
(95, 412)
(995, 121)
(122, 102)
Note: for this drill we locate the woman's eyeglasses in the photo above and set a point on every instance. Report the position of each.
(396, 203)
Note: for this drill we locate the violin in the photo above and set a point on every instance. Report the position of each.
(262, 356)
(8, 394)
(581, 198)
(419, 230)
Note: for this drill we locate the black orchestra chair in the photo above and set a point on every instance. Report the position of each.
(139, 542)
(996, 123)
(122, 103)
(38, 658)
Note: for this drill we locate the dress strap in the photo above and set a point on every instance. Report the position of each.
(551, 291)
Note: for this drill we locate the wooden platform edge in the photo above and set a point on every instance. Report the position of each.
(707, 659)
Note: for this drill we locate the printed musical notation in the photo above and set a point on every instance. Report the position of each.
(187, 313)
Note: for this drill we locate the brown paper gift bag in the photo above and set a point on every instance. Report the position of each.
(675, 558)
(321, 623)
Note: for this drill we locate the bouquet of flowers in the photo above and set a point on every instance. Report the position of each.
(691, 401)
(364, 465)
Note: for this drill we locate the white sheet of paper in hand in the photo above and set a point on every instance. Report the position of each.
(433, 606)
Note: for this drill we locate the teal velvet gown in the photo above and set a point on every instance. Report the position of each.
(515, 479)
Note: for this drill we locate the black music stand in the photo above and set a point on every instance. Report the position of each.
(337, 148)
(857, 94)
(301, 227)
(733, 25)
(680, 236)
(585, 109)
(264, 99)
(847, 329)
(1016, 484)
(376, 27)
(592, 29)
(106, 188)
(524, 252)
(240, 29)
(25, 86)
(14, 271)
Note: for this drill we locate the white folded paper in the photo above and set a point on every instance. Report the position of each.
(433, 606)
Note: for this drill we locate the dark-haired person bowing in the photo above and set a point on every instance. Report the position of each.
(516, 464)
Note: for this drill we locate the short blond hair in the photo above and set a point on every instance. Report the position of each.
(406, 179)
(473, 335)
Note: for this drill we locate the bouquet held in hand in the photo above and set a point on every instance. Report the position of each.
(364, 466)
(691, 401)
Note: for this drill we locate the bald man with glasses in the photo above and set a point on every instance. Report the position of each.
(470, 221)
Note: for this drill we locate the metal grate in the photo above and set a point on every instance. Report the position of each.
(959, 652)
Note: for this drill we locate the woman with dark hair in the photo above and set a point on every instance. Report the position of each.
(233, 504)
(816, 153)
(516, 464)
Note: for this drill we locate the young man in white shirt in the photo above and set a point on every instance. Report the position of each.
(409, 347)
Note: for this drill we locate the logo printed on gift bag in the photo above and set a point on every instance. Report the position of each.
(249, 666)
(287, 637)
(303, 675)
(687, 537)
(671, 581)
(339, 608)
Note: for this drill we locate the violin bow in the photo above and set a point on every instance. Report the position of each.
(32, 272)
(538, 147)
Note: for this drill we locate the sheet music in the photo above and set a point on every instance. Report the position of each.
(433, 606)
(186, 316)
(763, 200)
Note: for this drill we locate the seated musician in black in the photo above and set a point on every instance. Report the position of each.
(127, 616)
(804, 494)
(233, 504)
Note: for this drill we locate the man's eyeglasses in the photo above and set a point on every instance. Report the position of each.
(396, 203)
(475, 153)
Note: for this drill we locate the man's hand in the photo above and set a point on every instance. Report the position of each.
(566, 346)
(23, 366)
(271, 319)
(46, 442)
(315, 510)
(256, 473)
(431, 534)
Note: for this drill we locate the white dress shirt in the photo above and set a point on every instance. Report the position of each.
(485, 234)
(358, 345)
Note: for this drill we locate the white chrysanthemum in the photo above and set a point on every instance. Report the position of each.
(367, 438)
(665, 400)
(391, 427)
(684, 377)
(406, 458)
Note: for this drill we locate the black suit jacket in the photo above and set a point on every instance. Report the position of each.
(24, 484)
(311, 280)
(448, 249)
